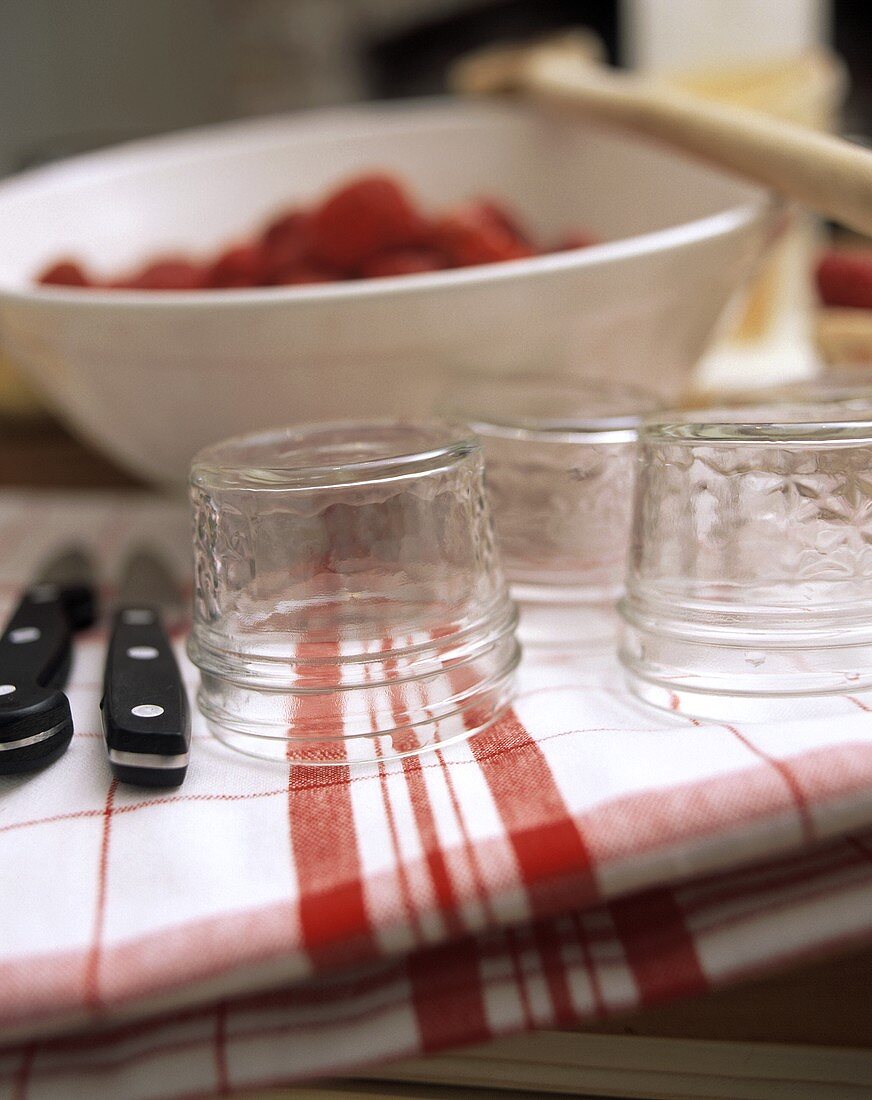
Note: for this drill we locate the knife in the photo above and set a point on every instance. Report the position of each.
(146, 720)
(36, 724)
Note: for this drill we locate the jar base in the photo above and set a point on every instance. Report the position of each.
(298, 745)
(690, 701)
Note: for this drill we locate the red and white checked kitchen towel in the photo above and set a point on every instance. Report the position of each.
(264, 922)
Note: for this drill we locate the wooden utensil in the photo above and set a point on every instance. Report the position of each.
(832, 176)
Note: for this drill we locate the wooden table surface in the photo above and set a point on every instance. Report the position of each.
(39, 453)
(825, 1004)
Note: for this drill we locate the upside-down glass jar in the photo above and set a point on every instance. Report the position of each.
(750, 576)
(349, 602)
(560, 456)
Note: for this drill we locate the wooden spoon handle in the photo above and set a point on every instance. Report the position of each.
(832, 176)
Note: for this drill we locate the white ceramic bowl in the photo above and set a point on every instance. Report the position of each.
(151, 377)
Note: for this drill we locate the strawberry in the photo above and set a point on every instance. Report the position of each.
(286, 243)
(578, 238)
(500, 214)
(369, 215)
(469, 235)
(844, 278)
(64, 273)
(239, 266)
(305, 275)
(403, 261)
(170, 273)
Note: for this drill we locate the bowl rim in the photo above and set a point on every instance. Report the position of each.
(765, 206)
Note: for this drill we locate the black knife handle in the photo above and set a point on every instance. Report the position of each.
(35, 727)
(80, 601)
(145, 709)
(35, 646)
(35, 651)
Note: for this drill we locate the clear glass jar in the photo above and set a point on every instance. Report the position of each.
(349, 601)
(560, 456)
(750, 577)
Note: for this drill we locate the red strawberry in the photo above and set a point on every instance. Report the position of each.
(501, 215)
(290, 225)
(304, 275)
(468, 236)
(578, 238)
(369, 215)
(64, 273)
(170, 274)
(403, 261)
(844, 278)
(286, 242)
(239, 266)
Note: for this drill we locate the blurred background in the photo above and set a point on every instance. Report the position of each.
(76, 76)
(79, 75)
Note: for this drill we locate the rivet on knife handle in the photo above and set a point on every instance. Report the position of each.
(145, 710)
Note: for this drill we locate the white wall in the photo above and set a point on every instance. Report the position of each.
(72, 71)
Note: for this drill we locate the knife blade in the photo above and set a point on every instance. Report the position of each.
(36, 724)
(146, 720)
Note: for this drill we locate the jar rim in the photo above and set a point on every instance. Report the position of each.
(344, 443)
(776, 425)
(548, 407)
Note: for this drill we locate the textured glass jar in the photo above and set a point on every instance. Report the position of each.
(560, 454)
(750, 577)
(349, 603)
